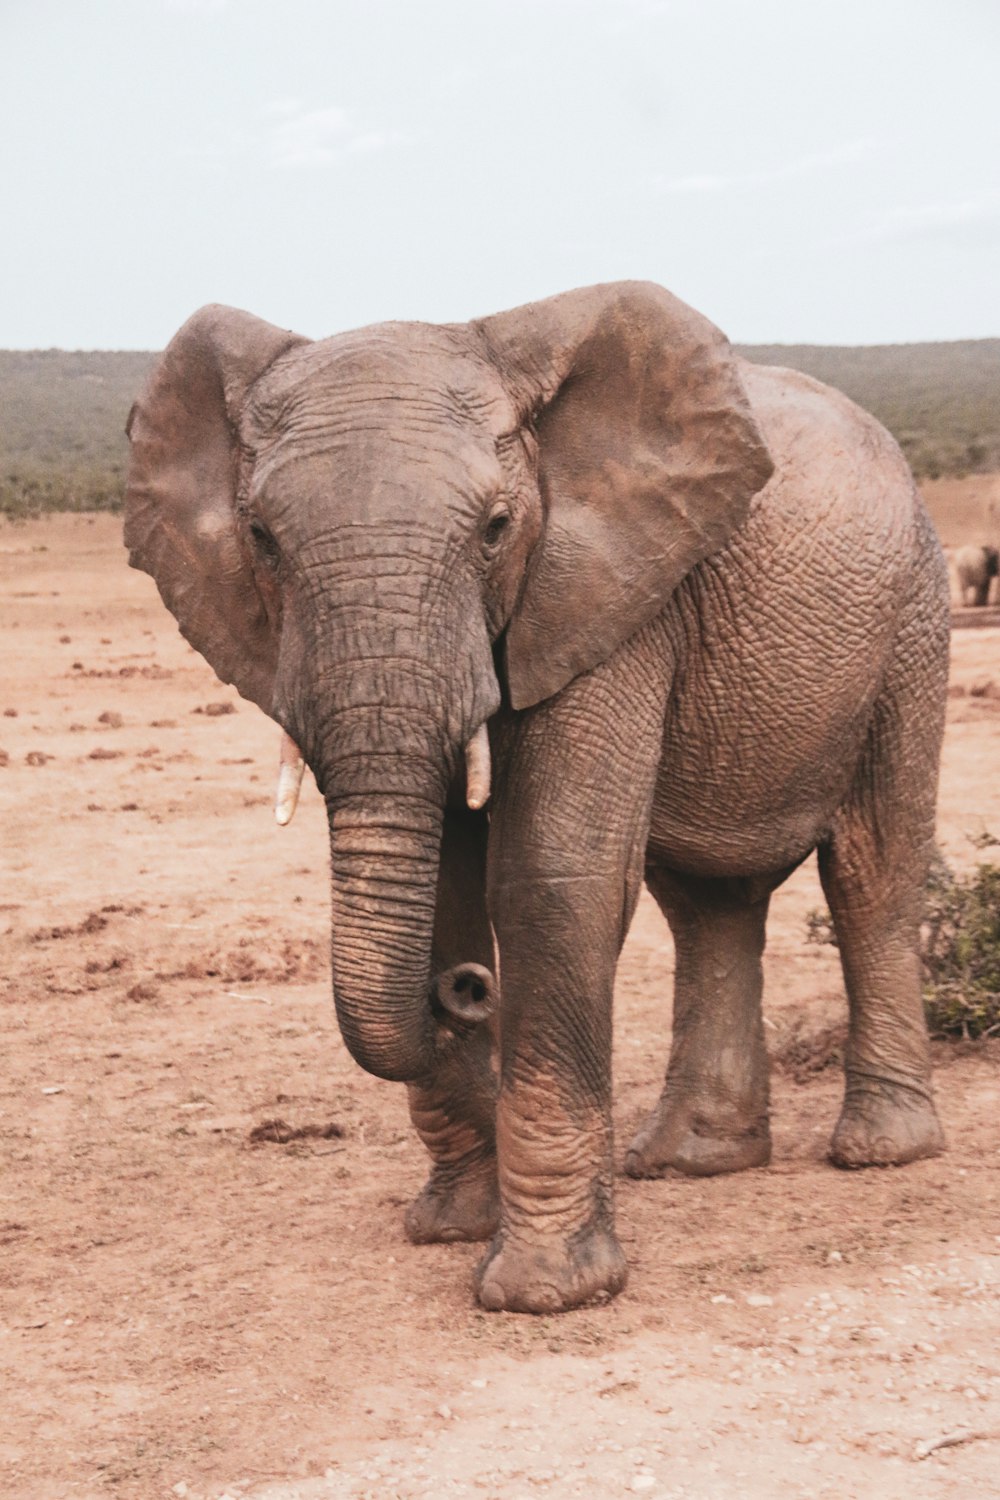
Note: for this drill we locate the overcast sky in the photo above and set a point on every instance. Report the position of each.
(823, 171)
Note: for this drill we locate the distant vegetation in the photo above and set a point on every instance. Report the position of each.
(62, 415)
(62, 428)
(941, 402)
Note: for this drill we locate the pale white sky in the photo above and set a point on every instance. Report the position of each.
(800, 170)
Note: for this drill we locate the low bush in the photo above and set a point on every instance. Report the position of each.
(27, 493)
(959, 949)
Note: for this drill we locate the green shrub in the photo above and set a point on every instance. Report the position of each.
(959, 949)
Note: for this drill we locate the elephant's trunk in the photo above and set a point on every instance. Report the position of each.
(397, 678)
(384, 857)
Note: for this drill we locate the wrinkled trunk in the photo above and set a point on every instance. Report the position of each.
(396, 675)
(384, 857)
(385, 780)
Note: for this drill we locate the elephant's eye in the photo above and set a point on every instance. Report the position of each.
(267, 547)
(495, 528)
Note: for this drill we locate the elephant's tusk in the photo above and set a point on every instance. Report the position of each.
(477, 768)
(290, 768)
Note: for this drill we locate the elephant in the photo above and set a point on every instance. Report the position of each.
(975, 567)
(552, 603)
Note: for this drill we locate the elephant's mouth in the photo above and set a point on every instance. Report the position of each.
(291, 766)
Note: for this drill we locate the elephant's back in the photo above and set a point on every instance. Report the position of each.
(782, 640)
(830, 454)
(971, 559)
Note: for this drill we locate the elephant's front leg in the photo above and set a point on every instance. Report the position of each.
(454, 1110)
(569, 828)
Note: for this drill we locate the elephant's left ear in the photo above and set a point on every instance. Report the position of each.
(649, 457)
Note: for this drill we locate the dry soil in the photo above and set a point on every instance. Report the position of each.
(197, 1302)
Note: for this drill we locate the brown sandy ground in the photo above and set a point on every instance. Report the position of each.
(187, 1310)
(965, 510)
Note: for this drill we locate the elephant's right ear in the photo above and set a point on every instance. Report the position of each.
(183, 477)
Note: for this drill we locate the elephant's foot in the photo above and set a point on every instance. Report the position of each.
(464, 1206)
(698, 1141)
(885, 1125)
(515, 1276)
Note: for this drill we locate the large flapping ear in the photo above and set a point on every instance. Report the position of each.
(182, 486)
(648, 459)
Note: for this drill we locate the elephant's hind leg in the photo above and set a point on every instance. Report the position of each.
(713, 1113)
(873, 869)
(888, 1115)
(454, 1111)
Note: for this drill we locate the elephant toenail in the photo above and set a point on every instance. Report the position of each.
(491, 1295)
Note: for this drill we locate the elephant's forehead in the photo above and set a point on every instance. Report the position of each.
(393, 375)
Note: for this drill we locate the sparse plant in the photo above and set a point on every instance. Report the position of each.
(820, 929)
(959, 947)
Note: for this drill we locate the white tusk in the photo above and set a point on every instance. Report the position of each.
(290, 768)
(477, 768)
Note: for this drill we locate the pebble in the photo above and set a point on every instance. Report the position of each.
(758, 1299)
(642, 1481)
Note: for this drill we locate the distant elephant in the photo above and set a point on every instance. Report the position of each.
(695, 611)
(975, 566)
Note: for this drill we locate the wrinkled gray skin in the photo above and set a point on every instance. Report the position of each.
(975, 567)
(703, 611)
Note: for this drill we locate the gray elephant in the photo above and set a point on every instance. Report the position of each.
(975, 567)
(696, 614)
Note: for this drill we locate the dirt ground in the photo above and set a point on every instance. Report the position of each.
(965, 510)
(191, 1307)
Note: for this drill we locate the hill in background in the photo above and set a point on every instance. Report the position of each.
(941, 402)
(62, 414)
(62, 428)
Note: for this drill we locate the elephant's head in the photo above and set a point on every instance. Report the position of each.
(378, 535)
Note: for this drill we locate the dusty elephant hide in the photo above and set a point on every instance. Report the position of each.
(703, 616)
